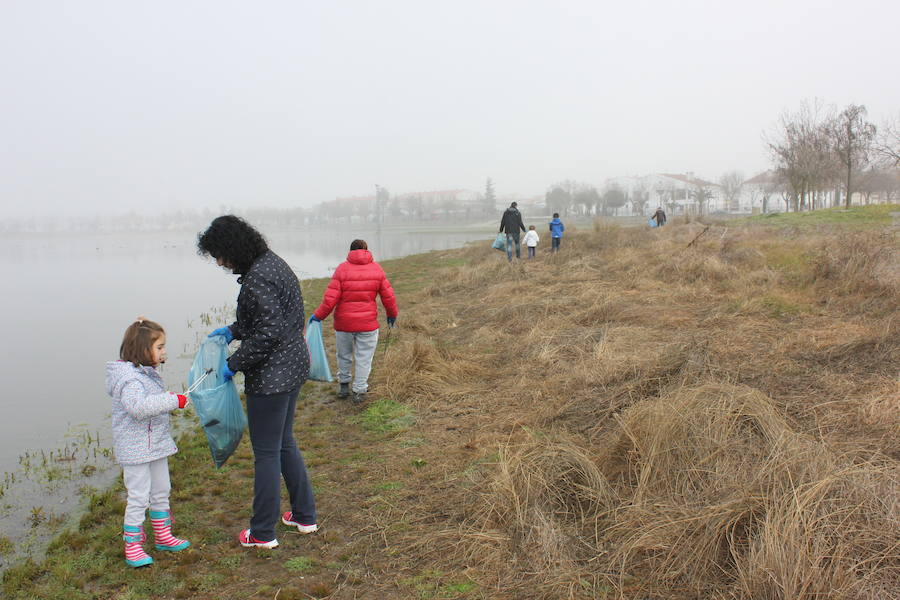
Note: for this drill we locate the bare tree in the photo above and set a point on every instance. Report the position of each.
(802, 150)
(640, 196)
(731, 184)
(887, 142)
(853, 137)
(701, 193)
(883, 184)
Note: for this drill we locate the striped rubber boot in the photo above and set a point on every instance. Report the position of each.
(134, 550)
(162, 532)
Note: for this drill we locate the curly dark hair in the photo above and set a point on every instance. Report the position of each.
(233, 240)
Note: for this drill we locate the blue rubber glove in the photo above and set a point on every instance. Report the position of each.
(315, 318)
(391, 321)
(227, 373)
(224, 331)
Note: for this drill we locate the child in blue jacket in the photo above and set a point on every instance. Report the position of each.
(556, 232)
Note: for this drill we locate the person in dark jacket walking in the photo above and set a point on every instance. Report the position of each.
(659, 216)
(275, 361)
(351, 295)
(511, 223)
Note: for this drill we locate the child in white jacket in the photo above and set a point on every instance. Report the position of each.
(141, 437)
(531, 241)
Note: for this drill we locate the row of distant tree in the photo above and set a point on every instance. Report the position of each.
(823, 155)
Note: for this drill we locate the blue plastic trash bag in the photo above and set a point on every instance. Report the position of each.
(216, 401)
(318, 360)
(500, 242)
(651, 222)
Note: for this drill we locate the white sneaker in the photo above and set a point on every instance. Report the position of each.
(288, 519)
(248, 541)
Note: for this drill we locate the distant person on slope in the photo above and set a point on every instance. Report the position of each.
(510, 224)
(556, 232)
(351, 295)
(659, 216)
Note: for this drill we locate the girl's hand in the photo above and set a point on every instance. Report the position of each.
(182, 400)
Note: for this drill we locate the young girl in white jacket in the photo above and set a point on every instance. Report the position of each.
(141, 439)
(531, 241)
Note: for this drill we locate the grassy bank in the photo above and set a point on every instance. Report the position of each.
(858, 216)
(671, 413)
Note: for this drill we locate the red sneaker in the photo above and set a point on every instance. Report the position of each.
(288, 519)
(248, 541)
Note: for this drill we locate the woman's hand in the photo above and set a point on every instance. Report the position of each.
(223, 331)
(227, 373)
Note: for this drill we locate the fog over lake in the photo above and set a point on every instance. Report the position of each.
(69, 299)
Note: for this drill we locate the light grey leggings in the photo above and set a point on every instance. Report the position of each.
(356, 346)
(148, 486)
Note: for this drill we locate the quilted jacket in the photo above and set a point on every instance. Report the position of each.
(140, 413)
(351, 294)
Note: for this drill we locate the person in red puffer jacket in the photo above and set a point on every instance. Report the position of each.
(351, 295)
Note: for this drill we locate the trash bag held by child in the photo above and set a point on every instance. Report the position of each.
(216, 401)
(500, 242)
(318, 360)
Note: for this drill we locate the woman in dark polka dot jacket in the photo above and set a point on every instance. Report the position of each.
(275, 361)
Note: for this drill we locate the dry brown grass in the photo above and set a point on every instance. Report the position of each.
(638, 418)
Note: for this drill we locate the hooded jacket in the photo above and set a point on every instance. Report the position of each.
(556, 228)
(140, 413)
(270, 321)
(351, 294)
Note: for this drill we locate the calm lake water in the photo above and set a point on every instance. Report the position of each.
(68, 298)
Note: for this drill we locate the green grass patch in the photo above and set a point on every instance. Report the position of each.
(299, 564)
(388, 486)
(386, 416)
(865, 216)
(429, 584)
(779, 307)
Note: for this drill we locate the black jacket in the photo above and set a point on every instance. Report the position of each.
(273, 355)
(511, 221)
(660, 216)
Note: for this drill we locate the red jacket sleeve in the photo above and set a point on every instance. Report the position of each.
(332, 295)
(388, 300)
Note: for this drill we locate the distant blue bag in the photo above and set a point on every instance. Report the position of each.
(318, 360)
(500, 242)
(651, 222)
(216, 401)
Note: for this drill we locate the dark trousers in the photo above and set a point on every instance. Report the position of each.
(271, 420)
(554, 244)
(531, 250)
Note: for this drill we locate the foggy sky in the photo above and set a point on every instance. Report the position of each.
(120, 105)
